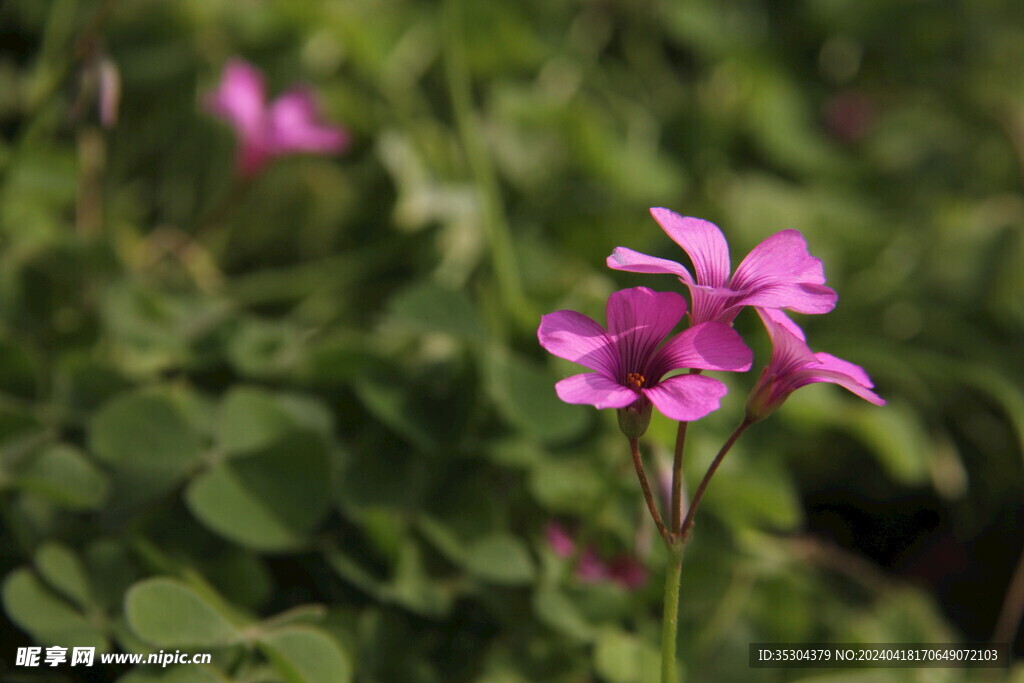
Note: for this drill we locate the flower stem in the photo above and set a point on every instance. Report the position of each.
(687, 525)
(670, 616)
(677, 478)
(676, 539)
(652, 505)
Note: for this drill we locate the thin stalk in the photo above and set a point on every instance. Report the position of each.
(85, 45)
(687, 525)
(652, 505)
(499, 235)
(677, 479)
(213, 226)
(677, 472)
(676, 540)
(670, 617)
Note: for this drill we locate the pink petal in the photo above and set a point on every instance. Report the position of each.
(633, 261)
(796, 296)
(774, 315)
(830, 362)
(686, 397)
(790, 353)
(590, 568)
(639, 319)
(704, 243)
(239, 98)
(575, 337)
(627, 572)
(251, 158)
(596, 390)
(794, 365)
(109, 92)
(559, 540)
(707, 346)
(810, 376)
(713, 304)
(783, 257)
(294, 126)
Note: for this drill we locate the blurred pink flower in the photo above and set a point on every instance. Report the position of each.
(290, 124)
(622, 570)
(850, 116)
(109, 91)
(794, 365)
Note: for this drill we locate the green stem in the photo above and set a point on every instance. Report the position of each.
(687, 525)
(499, 236)
(675, 542)
(645, 486)
(670, 618)
(677, 479)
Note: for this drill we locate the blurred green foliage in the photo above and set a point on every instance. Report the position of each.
(304, 424)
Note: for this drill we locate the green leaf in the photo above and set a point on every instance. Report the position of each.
(269, 500)
(169, 613)
(50, 620)
(145, 430)
(398, 408)
(501, 558)
(429, 307)
(83, 383)
(63, 474)
(567, 485)
(525, 395)
(18, 369)
(335, 359)
(182, 673)
(442, 538)
(112, 570)
(240, 576)
(307, 655)
(623, 658)
(154, 329)
(62, 569)
(898, 439)
(557, 611)
(754, 494)
(264, 349)
(250, 419)
(413, 588)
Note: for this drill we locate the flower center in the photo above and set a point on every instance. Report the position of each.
(635, 380)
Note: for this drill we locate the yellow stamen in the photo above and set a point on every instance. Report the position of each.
(635, 380)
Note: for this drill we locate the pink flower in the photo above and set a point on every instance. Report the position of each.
(622, 570)
(628, 363)
(794, 365)
(288, 125)
(850, 115)
(108, 91)
(777, 273)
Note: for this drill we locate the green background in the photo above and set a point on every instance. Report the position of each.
(304, 424)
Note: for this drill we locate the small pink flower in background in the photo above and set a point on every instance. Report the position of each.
(777, 273)
(289, 125)
(794, 365)
(622, 570)
(628, 363)
(109, 91)
(850, 115)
